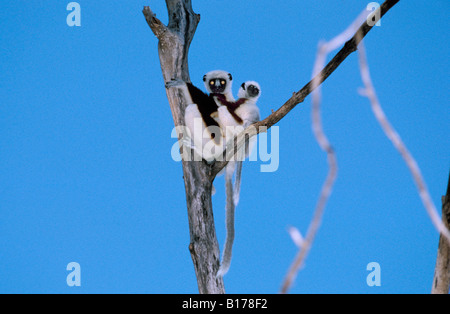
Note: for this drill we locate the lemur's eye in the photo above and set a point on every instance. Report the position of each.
(222, 82)
(211, 83)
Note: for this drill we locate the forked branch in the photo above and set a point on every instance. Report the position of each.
(298, 97)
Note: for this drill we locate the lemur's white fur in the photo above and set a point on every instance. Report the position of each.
(248, 113)
(219, 75)
(219, 83)
(197, 133)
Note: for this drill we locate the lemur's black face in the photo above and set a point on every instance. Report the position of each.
(252, 90)
(217, 85)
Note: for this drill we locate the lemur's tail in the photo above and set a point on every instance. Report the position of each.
(230, 209)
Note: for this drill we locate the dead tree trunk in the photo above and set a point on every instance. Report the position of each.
(441, 282)
(174, 41)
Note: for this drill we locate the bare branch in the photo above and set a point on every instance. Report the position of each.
(155, 24)
(314, 86)
(441, 280)
(298, 97)
(396, 140)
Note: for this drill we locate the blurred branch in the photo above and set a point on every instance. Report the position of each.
(442, 276)
(441, 282)
(305, 245)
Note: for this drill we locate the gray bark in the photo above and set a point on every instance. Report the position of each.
(441, 281)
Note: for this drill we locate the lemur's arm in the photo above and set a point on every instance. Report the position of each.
(232, 106)
(199, 97)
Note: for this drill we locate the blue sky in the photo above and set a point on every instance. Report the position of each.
(86, 173)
